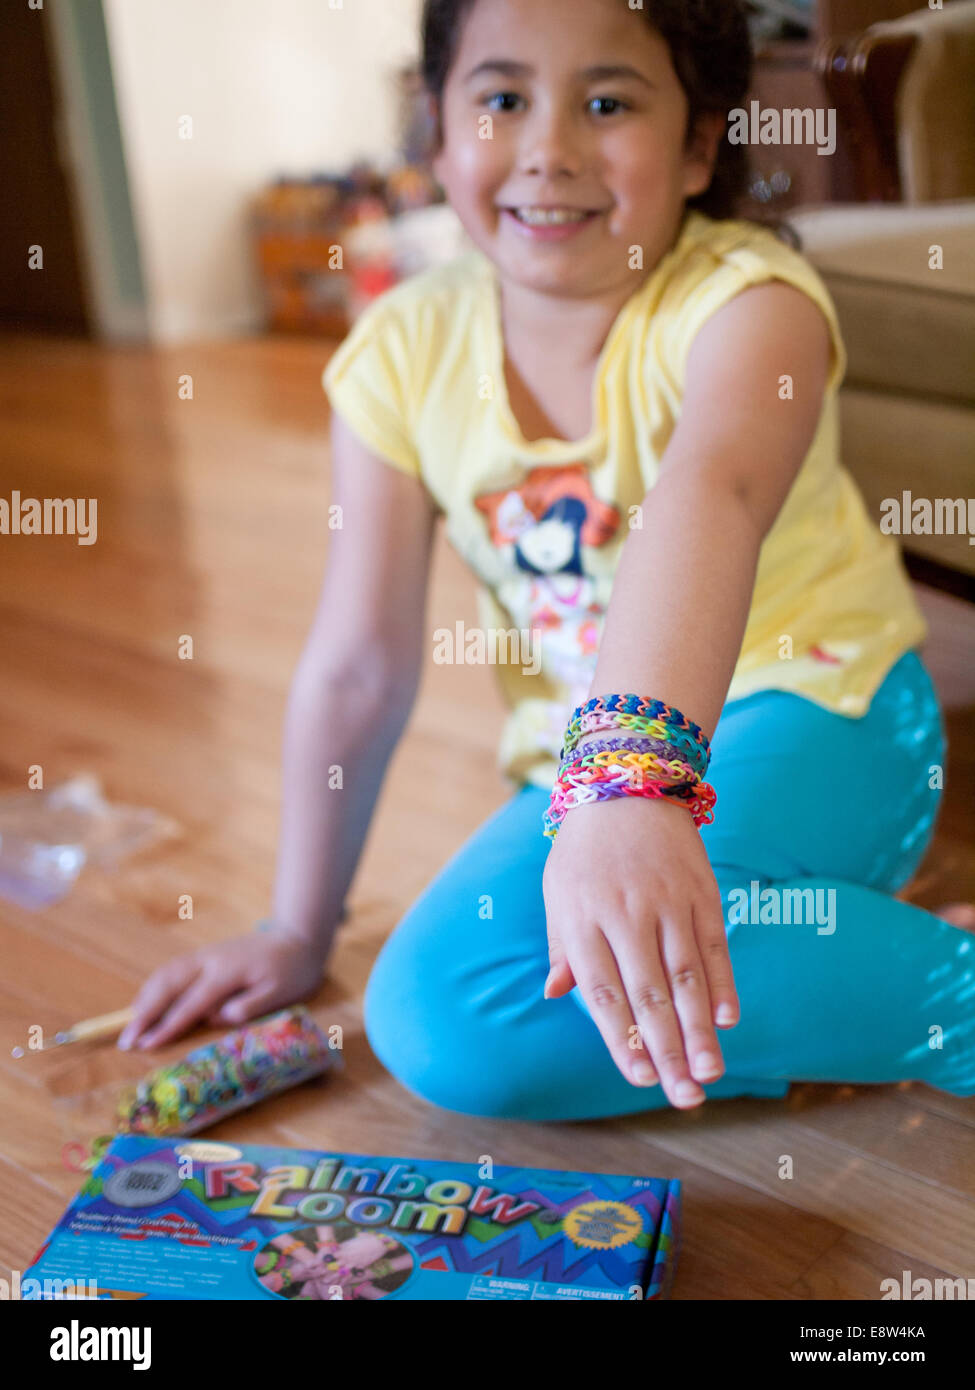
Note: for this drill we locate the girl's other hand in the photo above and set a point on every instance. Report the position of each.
(229, 982)
(635, 919)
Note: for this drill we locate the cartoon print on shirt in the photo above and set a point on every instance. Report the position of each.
(541, 531)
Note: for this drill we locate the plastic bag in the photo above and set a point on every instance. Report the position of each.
(47, 837)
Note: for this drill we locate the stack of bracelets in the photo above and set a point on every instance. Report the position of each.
(661, 755)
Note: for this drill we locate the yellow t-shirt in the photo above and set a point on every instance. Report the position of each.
(420, 379)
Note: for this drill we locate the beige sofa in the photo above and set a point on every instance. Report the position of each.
(908, 404)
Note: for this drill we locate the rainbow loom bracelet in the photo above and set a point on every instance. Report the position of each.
(664, 748)
(639, 704)
(700, 802)
(633, 769)
(597, 771)
(635, 724)
(610, 765)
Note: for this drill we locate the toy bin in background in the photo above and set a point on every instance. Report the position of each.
(328, 245)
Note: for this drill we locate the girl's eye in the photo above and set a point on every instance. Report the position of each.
(610, 105)
(509, 98)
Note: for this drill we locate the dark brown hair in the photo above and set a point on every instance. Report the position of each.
(711, 50)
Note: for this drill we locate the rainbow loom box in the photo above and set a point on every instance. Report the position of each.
(190, 1219)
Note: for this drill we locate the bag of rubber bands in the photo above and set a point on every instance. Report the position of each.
(220, 1078)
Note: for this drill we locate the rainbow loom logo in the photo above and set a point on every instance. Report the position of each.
(402, 1199)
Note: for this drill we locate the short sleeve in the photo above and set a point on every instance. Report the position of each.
(367, 381)
(755, 257)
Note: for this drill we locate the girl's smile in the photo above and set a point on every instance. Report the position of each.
(549, 224)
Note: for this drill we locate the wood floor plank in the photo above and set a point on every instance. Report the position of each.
(29, 1210)
(855, 1268)
(875, 1121)
(748, 1140)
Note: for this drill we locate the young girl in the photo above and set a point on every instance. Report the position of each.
(624, 403)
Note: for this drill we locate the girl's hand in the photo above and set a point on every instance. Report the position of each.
(227, 983)
(635, 919)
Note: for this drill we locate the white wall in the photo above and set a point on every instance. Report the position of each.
(273, 87)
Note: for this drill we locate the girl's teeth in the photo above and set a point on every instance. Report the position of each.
(546, 217)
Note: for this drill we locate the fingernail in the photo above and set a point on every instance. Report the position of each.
(125, 1042)
(548, 981)
(644, 1074)
(725, 1014)
(687, 1090)
(706, 1066)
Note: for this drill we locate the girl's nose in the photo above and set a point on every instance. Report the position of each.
(551, 146)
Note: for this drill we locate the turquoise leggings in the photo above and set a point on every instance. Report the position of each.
(858, 988)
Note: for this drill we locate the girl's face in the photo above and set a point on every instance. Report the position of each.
(564, 142)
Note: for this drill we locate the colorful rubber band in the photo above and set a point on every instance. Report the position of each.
(638, 705)
(632, 767)
(662, 747)
(219, 1078)
(700, 804)
(637, 724)
(667, 762)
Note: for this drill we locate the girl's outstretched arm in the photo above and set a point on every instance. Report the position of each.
(643, 935)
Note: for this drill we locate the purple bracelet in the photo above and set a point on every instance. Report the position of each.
(637, 744)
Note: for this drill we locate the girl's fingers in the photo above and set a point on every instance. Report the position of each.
(648, 991)
(192, 1006)
(560, 980)
(692, 999)
(248, 1004)
(559, 976)
(599, 980)
(712, 941)
(155, 997)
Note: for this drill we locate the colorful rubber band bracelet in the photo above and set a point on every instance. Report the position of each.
(700, 804)
(640, 705)
(636, 724)
(665, 769)
(667, 762)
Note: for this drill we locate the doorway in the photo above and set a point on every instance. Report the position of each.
(37, 210)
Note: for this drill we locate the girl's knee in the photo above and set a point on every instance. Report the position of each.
(419, 1031)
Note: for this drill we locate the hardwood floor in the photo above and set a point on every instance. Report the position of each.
(212, 523)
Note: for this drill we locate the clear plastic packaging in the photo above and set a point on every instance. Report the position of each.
(47, 837)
